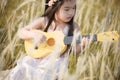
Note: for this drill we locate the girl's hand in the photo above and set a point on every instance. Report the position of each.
(84, 42)
(38, 38)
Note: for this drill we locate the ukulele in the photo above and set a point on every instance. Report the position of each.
(58, 41)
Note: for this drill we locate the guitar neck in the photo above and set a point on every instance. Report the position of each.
(68, 39)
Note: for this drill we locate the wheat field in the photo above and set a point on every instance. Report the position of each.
(99, 61)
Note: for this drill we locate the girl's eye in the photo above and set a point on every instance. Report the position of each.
(66, 9)
(74, 8)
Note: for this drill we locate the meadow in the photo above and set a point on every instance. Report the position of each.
(99, 60)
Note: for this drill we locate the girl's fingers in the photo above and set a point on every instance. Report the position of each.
(43, 38)
(38, 38)
(84, 42)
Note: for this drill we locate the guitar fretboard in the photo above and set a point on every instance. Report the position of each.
(69, 39)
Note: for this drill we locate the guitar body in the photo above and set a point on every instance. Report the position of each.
(54, 41)
(57, 41)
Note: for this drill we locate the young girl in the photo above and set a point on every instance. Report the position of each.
(58, 16)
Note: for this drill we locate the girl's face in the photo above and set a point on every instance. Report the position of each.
(66, 12)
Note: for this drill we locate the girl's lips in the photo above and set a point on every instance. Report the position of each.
(69, 17)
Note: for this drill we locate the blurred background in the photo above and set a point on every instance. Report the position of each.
(100, 61)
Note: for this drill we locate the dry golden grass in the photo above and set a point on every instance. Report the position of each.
(100, 61)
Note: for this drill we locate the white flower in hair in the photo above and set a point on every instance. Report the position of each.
(51, 2)
(54, 0)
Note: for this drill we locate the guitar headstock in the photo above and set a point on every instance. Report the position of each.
(108, 36)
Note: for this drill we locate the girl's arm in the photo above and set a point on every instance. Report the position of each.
(27, 33)
(84, 41)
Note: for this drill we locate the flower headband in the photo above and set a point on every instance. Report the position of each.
(51, 2)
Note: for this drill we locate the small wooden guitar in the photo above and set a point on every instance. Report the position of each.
(57, 40)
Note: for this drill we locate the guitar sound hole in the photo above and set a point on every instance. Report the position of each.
(113, 39)
(51, 41)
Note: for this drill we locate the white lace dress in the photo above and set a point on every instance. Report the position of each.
(47, 68)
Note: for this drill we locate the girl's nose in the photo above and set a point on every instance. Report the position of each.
(71, 12)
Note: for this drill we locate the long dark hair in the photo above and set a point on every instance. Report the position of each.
(49, 12)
